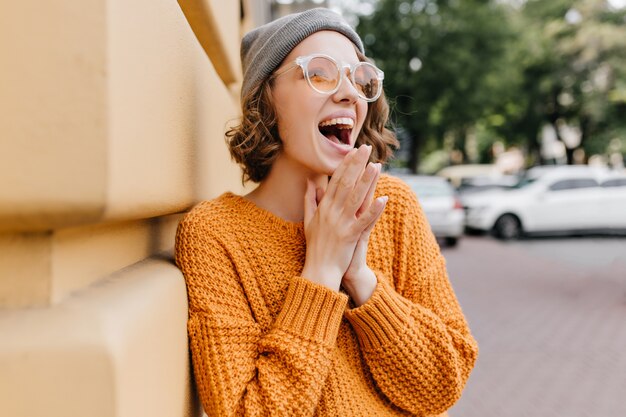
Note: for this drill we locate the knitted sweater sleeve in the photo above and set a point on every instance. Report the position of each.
(412, 332)
(239, 369)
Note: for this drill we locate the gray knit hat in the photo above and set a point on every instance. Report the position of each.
(264, 48)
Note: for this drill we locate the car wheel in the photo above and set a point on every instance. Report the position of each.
(451, 241)
(507, 227)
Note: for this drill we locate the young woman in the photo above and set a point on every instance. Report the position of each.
(323, 291)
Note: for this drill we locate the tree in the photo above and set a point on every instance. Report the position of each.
(573, 70)
(504, 69)
(568, 63)
(438, 58)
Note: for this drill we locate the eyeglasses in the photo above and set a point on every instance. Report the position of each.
(324, 75)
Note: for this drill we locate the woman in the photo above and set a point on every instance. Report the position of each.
(317, 296)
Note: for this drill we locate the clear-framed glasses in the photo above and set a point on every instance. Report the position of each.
(324, 75)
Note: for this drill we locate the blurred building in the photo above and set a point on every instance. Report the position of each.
(281, 8)
(112, 123)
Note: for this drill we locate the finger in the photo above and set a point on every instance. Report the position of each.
(380, 204)
(310, 203)
(368, 219)
(348, 179)
(370, 193)
(350, 164)
(357, 199)
(332, 184)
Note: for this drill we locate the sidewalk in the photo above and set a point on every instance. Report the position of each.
(552, 336)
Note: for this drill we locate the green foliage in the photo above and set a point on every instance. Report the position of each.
(457, 65)
(576, 68)
(439, 58)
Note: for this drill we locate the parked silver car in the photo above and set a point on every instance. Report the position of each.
(556, 200)
(441, 206)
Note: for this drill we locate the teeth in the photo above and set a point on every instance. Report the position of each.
(344, 122)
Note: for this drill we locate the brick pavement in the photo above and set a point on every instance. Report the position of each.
(552, 335)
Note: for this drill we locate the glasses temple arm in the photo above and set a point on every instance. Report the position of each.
(284, 70)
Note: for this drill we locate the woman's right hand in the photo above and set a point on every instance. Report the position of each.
(333, 224)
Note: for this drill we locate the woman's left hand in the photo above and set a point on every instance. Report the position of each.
(359, 280)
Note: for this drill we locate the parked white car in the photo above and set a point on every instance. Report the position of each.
(441, 206)
(559, 200)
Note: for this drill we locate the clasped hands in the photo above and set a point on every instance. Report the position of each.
(337, 225)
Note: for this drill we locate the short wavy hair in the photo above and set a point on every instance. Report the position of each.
(255, 143)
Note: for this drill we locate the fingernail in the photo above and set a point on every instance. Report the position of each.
(383, 199)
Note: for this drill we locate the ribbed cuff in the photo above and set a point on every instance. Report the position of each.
(312, 311)
(381, 318)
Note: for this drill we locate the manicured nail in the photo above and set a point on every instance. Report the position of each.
(383, 199)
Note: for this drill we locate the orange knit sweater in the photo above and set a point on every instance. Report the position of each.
(267, 342)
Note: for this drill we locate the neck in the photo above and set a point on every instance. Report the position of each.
(282, 191)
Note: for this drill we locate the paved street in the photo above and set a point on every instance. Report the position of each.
(550, 319)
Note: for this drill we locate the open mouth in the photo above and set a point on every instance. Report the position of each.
(337, 130)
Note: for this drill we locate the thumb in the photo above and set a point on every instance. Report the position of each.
(310, 201)
(379, 206)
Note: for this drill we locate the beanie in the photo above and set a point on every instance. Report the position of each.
(264, 48)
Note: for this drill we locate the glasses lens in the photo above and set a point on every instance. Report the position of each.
(366, 80)
(323, 74)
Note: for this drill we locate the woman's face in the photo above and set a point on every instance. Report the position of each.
(307, 150)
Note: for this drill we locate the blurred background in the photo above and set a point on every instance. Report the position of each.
(512, 122)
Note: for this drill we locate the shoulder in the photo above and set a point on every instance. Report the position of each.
(393, 185)
(403, 212)
(206, 231)
(401, 196)
(210, 218)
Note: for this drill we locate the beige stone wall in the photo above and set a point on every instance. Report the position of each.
(112, 115)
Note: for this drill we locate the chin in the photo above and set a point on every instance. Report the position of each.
(327, 163)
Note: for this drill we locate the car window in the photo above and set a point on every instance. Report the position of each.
(615, 182)
(573, 183)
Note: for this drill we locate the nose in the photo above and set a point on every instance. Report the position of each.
(346, 92)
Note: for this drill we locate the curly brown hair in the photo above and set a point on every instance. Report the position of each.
(255, 143)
